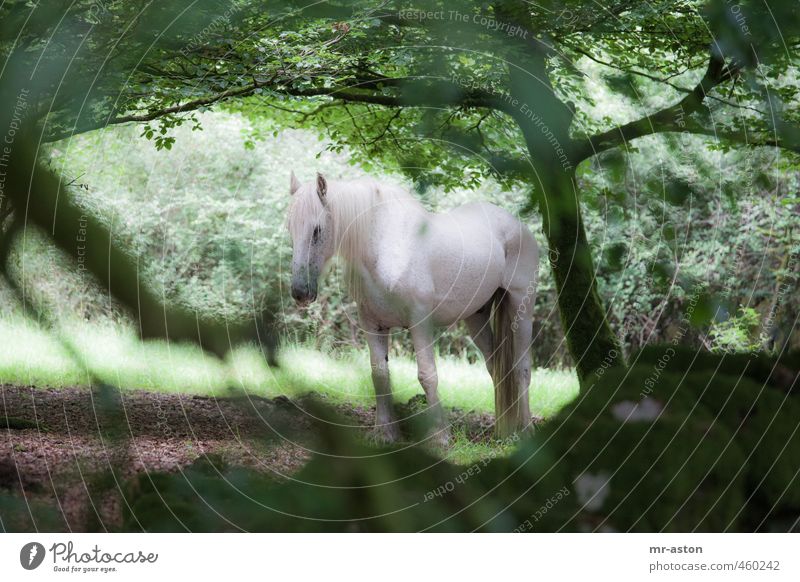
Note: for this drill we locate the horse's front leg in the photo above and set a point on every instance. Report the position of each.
(386, 428)
(422, 337)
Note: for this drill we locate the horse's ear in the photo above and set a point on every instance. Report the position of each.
(322, 187)
(294, 184)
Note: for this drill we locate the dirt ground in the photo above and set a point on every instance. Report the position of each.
(58, 445)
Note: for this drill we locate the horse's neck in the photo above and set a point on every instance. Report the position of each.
(392, 224)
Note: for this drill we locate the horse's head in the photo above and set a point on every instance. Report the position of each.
(311, 229)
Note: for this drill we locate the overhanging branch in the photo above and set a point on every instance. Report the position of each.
(157, 113)
(410, 93)
(744, 138)
(671, 119)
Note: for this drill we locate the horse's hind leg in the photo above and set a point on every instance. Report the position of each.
(480, 329)
(422, 337)
(522, 330)
(385, 425)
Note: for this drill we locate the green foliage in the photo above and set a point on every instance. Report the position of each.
(18, 514)
(753, 395)
(738, 333)
(368, 491)
(723, 246)
(650, 473)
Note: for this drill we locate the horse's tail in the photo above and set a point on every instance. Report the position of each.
(506, 387)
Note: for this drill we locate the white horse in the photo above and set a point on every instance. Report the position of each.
(410, 268)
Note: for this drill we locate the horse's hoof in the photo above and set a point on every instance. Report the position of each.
(440, 438)
(386, 434)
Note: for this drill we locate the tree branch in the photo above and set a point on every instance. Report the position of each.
(745, 138)
(670, 119)
(408, 93)
(411, 93)
(665, 80)
(157, 113)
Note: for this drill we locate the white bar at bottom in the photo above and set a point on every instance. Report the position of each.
(403, 557)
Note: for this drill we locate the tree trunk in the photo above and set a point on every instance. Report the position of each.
(545, 121)
(591, 342)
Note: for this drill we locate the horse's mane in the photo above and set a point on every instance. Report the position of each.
(351, 204)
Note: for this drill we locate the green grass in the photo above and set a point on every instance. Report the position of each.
(32, 356)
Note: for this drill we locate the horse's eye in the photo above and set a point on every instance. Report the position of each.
(315, 236)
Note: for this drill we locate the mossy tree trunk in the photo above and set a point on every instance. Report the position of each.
(591, 342)
(544, 121)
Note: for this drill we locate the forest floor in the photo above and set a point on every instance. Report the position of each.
(59, 447)
(175, 405)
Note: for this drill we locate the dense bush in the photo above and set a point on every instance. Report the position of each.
(685, 445)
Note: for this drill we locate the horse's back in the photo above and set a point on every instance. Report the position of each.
(491, 223)
(471, 251)
(487, 215)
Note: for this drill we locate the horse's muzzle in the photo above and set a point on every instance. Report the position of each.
(303, 295)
